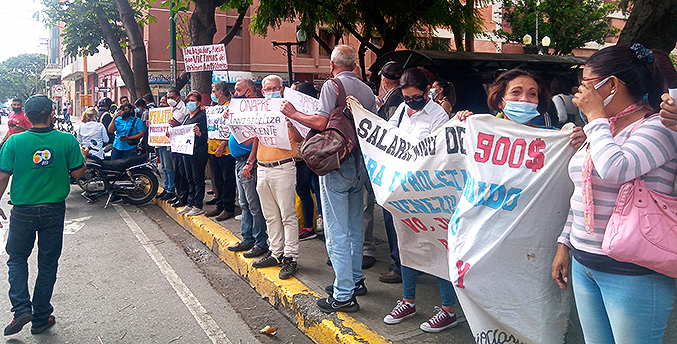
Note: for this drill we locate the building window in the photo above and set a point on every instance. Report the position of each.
(238, 33)
(328, 38)
(442, 44)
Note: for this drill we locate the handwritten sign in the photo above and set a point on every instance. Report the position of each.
(260, 118)
(481, 203)
(200, 58)
(158, 126)
(217, 126)
(304, 104)
(182, 139)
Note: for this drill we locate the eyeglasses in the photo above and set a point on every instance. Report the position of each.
(272, 89)
(414, 98)
(593, 79)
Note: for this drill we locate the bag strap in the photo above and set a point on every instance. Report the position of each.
(129, 133)
(399, 121)
(341, 94)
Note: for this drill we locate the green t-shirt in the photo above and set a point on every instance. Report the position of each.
(40, 160)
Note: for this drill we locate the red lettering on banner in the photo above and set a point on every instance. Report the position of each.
(445, 243)
(504, 150)
(462, 269)
(443, 222)
(484, 142)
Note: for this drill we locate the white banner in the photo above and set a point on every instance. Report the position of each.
(507, 188)
(217, 126)
(304, 104)
(183, 139)
(198, 58)
(158, 126)
(260, 118)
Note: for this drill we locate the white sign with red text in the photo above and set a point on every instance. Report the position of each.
(260, 118)
(303, 104)
(199, 58)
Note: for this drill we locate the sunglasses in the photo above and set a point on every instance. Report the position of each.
(414, 98)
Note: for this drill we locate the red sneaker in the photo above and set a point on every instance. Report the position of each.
(402, 311)
(440, 322)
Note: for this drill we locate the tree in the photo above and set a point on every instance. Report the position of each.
(651, 23)
(570, 24)
(20, 76)
(113, 23)
(395, 22)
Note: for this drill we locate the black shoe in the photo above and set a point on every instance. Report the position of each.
(328, 261)
(307, 234)
(171, 200)
(18, 323)
(329, 305)
(267, 261)
(255, 251)
(50, 322)
(213, 213)
(289, 268)
(167, 197)
(161, 194)
(179, 204)
(239, 247)
(212, 202)
(368, 262)
(360, 289)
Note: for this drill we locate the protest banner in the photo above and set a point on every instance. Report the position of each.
(198, 58)
(182, 139)
(158, 120)
(303, 104)
(217, 126)
(481, 203)
(260, 118)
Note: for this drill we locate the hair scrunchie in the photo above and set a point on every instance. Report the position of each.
(643, 54)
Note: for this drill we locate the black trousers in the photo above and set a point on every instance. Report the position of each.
(180, 180)
(392, 241)
(194, 167)
(224, 178)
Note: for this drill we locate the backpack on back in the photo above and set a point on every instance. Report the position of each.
(324, 151)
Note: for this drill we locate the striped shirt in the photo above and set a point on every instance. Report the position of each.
(651, 151)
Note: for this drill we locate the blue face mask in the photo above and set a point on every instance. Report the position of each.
(215, 99)
(277, 94)
(520, 112)
(138, 111)
(191, 106)
(433, 93)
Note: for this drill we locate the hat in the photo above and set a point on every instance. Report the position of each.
(39, 103)
(392, 70)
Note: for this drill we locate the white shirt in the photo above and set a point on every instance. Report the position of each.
(422, 123)
(93, 135)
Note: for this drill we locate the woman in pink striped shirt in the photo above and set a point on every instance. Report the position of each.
(617, 302)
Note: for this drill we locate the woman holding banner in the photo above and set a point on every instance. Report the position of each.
(617, 302)
(195, 164)
(419, 115)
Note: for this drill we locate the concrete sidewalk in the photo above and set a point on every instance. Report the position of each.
(296, 297)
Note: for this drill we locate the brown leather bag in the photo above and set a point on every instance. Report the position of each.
(324, 151)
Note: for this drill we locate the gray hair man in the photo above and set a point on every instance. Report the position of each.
(342, 189)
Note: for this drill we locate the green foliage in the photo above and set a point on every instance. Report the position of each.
(570, 24)
(20, 76)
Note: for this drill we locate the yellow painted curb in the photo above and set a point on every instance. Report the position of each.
(291, 295)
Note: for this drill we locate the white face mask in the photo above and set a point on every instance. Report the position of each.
(171, 102)
(608, 99)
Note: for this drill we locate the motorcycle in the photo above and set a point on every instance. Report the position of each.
(133, 179)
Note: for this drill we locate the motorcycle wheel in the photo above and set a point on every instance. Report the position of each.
(147, 185)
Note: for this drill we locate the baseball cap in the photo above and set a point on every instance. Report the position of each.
(39, 103)
(392, 70)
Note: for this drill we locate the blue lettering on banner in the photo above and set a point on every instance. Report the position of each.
(495, 196)
(428, 205)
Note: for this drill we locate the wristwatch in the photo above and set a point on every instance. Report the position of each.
(249, 162)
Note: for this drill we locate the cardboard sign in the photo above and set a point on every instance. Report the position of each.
(182, 139)
(481, 203)
(217, 126)
(200, 58)
(158, 126)
(260, 118)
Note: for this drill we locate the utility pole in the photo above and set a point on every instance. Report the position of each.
(172, 44)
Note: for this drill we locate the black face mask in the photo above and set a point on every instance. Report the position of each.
(127, 114)
(240, 96)
(416, 104)
(17, 109)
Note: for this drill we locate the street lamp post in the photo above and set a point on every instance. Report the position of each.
(301, 39)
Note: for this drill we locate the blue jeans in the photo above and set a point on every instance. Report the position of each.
(167, 168)
(342, 212)
(253, 224)
(409, 277)
(121, 154)
(622, 309)
(47, 221)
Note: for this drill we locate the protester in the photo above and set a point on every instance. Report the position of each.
(179, 116)
(194, 165)
(253, 229)
(390, 94)
(443, 93)
(150, 101)
(105, 116)
(617, 302)
(276, 180)
(128, 130)
(562, 103)
(17, 122)
(304, 181)
(39, 162)
(223, 163)
(341, 190)
(92, 134)
(167, 166)
(123, 100)
(142, 112)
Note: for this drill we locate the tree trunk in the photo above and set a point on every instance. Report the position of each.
(202, 28)
(237, 25)
(651, 23)
(139, 58)
(113, 43)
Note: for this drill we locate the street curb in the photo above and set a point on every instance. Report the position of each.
(291, 296)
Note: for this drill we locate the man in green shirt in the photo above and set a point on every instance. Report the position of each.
(40, 160)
